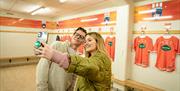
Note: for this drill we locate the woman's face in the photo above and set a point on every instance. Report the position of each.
(90, 44)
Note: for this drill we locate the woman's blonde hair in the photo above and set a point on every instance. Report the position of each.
(100, 43)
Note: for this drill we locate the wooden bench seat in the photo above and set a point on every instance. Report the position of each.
(136, 85)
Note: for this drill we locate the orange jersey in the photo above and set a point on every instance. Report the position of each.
(166, 53)
(179, 47)
(68, 38)
(110, 46)
(64, 38)
(81, 49)
(142, 46)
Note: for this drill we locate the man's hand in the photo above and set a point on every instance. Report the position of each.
(52, 55)
(45, 52)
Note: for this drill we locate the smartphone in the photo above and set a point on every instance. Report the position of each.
(41, 37)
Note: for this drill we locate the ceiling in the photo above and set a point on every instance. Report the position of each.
(54, 8)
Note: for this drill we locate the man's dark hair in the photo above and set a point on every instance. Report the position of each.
(81, 29)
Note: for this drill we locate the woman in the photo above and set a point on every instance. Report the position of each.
(94, 70)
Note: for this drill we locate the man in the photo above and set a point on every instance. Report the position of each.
(49, 76)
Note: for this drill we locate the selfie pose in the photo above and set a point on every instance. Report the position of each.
(49, 76)
(94, 70)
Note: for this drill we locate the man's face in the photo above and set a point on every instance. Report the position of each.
(78, 38)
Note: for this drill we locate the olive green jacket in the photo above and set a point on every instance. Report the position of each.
(94, 73)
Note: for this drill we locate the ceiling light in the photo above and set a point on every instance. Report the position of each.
(147, 11)
(62, 1)
(37, 10)
(89, 20)
(21, 19)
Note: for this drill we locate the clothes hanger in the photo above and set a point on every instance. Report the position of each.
(143, 28)
(167, 33)
(111, 32)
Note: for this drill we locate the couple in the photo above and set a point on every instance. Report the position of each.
(59, 64)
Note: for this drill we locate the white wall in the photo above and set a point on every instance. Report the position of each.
(19, 44)
(169, 81)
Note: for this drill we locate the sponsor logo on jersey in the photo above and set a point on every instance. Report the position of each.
(166, 48)
(142, 46)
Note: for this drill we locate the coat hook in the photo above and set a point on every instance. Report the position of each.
(167, 27)
(27, 59)
(10, 60)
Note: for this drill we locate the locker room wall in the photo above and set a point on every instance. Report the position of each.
(151, 75)
(16, 44)
(19, 44)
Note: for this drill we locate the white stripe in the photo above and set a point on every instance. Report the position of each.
(157, 25)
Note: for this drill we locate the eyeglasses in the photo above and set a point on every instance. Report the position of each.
(80, 37)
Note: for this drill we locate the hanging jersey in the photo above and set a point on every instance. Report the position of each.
(179, 47)
(142, 46)
(63, 38)
(68, 38)
(166, 53)
(81, 49)
(110, 46)
(113, 47)
(107, 44)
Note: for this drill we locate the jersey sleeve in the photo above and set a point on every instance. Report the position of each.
(179, 47)
(156, 45)
(150, 44)
(135, 44)
(176, 44)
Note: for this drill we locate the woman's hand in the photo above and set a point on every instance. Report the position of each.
(45, 52)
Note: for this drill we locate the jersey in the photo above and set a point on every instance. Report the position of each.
(179, 47)
(64, 38)
(81, 49)
(166, 49)
(110, 46)
(142, 46)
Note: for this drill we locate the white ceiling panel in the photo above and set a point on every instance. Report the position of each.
(26, 7)
(7, 4)
(55, 8)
